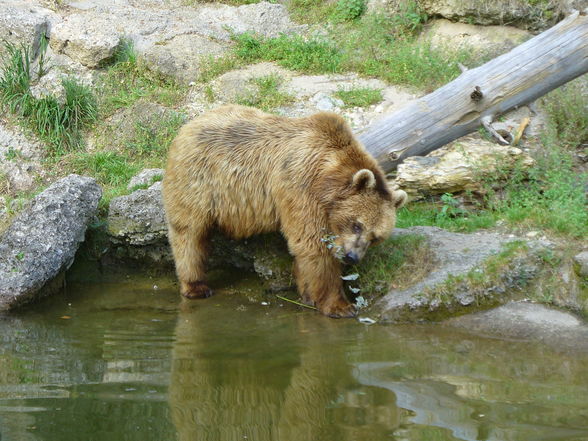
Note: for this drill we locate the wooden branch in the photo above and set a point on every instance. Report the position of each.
(524, 74)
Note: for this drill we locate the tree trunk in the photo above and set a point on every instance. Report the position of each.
(527, 72)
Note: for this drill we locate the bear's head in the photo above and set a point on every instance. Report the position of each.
(364, 214)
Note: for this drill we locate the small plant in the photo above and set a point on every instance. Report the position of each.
(409, 20)
(329, 240)
(58, 123)
(451, 207)
(267, 95)
(42, 66)
(360, 97)
(347, 10)
(15, 79)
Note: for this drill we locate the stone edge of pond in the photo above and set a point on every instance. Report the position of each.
(527, 321)
(473, 271)
(41, 243)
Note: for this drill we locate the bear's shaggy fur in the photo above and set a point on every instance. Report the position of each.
(246, 172)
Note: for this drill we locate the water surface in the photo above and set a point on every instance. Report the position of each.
(125, 361)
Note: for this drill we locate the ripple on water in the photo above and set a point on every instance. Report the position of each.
(132, 364)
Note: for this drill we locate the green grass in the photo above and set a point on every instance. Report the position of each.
(398, 262)
(289, 51)
(213, 67)
(127, 80)
(117, 161)
(373, 46)
(347, 10)
(359, 97)
(57, 122)
(266, 95)
(310, 11)
(112, 170)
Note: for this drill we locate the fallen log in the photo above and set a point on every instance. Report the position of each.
(479, 95)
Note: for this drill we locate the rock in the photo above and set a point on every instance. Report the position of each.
(528, 321)
(263, 18)
(520, 13)
(491, 40)
(138, 218)
(582, 261)
(19, 158)
(146, 177)
(42, 241)
(461, 282)
(562, 286)
(136, 225)
(462, 165)
(91, 42)
(326, 103)
(24, 22)
(174, 41)
(182, 56)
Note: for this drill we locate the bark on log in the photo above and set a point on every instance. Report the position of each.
(518, 77)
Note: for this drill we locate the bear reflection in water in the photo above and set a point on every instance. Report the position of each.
(266, 384)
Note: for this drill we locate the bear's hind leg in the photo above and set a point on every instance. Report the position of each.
(190, 248)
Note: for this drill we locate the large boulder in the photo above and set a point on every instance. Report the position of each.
(19, 158)
(92, 42)
(462, 165)
(520, 13)
(42, 241)
(491, 40)
(22, 22)
(472, 271)
(174, 42)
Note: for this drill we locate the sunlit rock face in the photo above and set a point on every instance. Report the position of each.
(464, 165)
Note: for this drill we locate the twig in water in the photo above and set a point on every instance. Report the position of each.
(295, 302)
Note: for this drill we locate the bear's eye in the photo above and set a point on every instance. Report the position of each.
(356, 228)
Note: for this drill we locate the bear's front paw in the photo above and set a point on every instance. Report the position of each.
(196, 290)
(339, 309)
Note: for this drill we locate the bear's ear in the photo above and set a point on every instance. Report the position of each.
(399, 197)
(364, 179)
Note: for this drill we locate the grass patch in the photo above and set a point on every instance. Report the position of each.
(113, 169)
(374, 46)
(58, 122)
(491, 275)
(310, 11)
(266, 95)
(359, 97)
(399, 262)
(213, 67)
(289, 51)
(434, 214)
(128, 80)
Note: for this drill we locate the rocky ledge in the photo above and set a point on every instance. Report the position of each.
(42, 241)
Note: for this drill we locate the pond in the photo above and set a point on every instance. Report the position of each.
(131, 361)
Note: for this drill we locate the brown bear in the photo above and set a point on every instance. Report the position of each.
(245, 172)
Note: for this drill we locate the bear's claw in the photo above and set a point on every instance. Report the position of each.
(196, 290)
(340, 310)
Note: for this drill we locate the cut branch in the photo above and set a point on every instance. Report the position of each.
(524, 74)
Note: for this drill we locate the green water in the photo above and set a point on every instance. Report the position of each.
(126, 361)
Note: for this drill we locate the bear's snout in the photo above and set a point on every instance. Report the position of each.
(351, 258)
